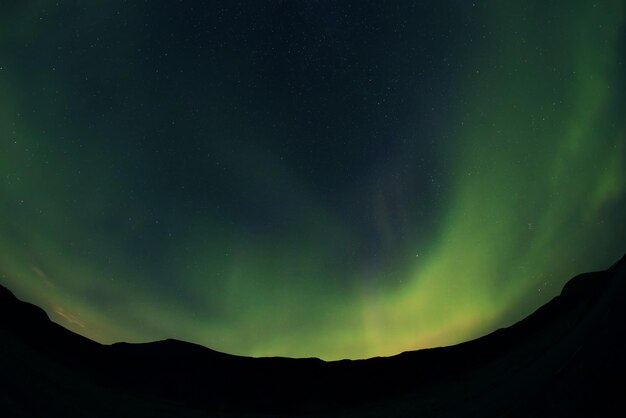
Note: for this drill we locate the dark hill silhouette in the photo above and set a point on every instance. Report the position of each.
(566, 359)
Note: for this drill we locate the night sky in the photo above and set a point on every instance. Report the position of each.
(308, 178)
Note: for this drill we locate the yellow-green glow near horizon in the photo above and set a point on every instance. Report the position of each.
(104, 220)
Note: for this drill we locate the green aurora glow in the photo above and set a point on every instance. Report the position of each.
(526, 189)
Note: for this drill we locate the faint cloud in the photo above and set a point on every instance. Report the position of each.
(68, 317)
(43, 275)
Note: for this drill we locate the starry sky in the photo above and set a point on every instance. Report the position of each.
(339, 179)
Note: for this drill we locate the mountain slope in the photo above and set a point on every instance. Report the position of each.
(566, 359)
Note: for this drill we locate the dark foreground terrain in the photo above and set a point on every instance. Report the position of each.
(566, 359)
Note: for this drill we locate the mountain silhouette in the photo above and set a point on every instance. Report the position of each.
(565, 359)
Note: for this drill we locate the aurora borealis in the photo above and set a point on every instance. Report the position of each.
(308, 178)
